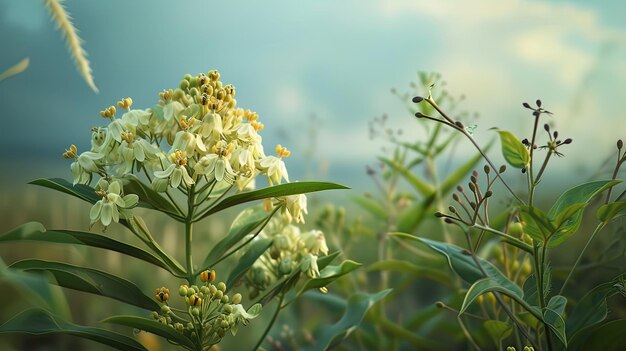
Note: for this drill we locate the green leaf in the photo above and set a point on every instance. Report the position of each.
(270, 192)
(423, 271)
(581, 194)
(591, 309)
(372, 206)
(83, 192)
(514, 152)
(536, 224)
(530, 287)
(91, 281)
(485, 285)
(148, 198)
(256, 249)
(553, 317)
(497, 330)
(328, 337)
(609, 212)
(462, 263)
(36, 321)
(35, 231)
(330, 274)
(152, 326)
(421, 186)
(244, 224)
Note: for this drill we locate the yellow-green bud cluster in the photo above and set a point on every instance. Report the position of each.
(291, 251)
(211, 312)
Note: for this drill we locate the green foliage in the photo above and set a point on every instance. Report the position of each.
(514, 152)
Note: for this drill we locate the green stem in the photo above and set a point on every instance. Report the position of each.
(269, 326)
(189, 236)
(506, 237)
(580, 256)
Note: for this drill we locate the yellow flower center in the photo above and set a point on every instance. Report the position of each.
(282, 151)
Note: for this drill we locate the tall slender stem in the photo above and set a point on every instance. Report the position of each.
(189, 235)
(269, 326)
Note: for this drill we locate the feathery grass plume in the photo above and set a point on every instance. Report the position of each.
(15, 69)
(64, 23)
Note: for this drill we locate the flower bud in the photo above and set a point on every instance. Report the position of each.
(219, 294)
(228, 309)
(237, 298)
(165, 309)
(182, 291)
(225, 299)
(207, 276)
(195, 312)
(221, 286)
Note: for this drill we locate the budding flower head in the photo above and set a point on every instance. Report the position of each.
(71, 152)
(162, 294)
(125, 103)
(282, 151)
(207, 276)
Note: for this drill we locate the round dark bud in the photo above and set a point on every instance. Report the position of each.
(488, 193)
(473, 205)
(473, 179)
(452, 209)
(419, 115)
(439, 304)
(417, 99)
(620, 144)
(475, 174)
(455, 197)
(525, 104)
(538, 103)
(487, 169)
(448, 220)
(523, 170)
(472, 187)
(438, 214)
(525, 142)
(567, 141)
(459, 124)
(502, 169)
(459, 188)
(546, 127)
(555, 134)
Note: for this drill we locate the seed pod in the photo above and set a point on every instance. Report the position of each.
(417, 99)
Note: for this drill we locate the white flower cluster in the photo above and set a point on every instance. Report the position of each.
(196, 136)
(291, 250)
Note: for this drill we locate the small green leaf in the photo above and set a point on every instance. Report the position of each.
(270, 192)
(553, 317)
(329, 337)
(581, 194)
(152, 326)
(35, 231)
(485, 285)
(244, 224)
(514, 152)
(256, 249)
(36, 321)
(536, 224)
(330, 274)
(609, 212)
(91, 281)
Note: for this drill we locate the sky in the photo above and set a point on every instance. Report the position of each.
(326, 66)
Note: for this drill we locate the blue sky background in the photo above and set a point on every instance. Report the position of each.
(336, 60)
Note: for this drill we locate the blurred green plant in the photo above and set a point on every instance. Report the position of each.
(184, 158)
(507, 263)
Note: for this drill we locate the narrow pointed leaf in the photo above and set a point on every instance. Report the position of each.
(372, 206)
(270, 192)
(37, 321)
(91, 281)
(148, 198)
(420, 185)
(152, 326)
(422, 271)
(255, 250)
(330, 274)
(329, 337)
(612, 211)
(83, 192)
(35, 231)
(486, 285)
(247, 221)
(553, 316)
(536, 224)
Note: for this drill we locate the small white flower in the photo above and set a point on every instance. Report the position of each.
(274, 168)
(177, 170)
(216, 165)
(86, 163)
(309, 266)
(295, 207)
(315, 242)
(112, 203)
